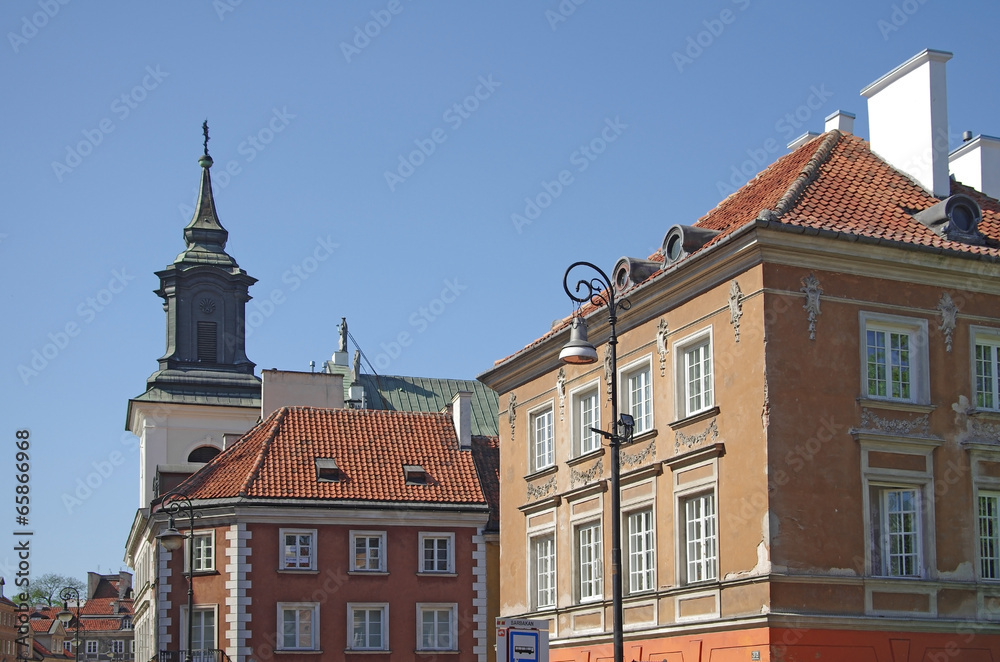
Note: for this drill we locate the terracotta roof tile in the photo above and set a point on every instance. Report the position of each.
(106, 606)
(276, 459)
(835, 183)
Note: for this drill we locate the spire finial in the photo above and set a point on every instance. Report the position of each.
(205, 160)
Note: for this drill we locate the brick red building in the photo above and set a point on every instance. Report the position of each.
(332, 531)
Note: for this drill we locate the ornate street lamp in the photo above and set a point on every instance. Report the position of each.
(172, 540)
(66, 616)
(598, 291)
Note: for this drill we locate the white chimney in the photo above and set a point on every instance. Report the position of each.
(977, 164)
(908, 119)
(802, 140)
(840, 120)
(461, 413)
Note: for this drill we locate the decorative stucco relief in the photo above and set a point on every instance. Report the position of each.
(561, 389)
(810, 287)
(586, 476)
(608, 376)
(949, 312)
(661, 345)
(512, 413)
(539, 491)
(627, 460)
(690, 441)
(735, 307)
(872, 421)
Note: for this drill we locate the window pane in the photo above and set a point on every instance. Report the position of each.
(590, 563)
(640, 549)
(640, 397)
(989, 536)
(986, 382)
(701, 538)
(587, 418)
(542, 439)
(545, 571)
(901, 533)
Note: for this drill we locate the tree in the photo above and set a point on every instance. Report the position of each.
(45, 589)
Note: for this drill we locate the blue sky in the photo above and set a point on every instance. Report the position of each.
(417, 138)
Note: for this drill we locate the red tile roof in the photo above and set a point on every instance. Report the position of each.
(107, 606)
(835, 184)
(276, 459)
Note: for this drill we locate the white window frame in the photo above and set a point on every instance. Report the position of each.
(200, 609)
(542, 451)
(438, 607)
(589, 554)
(117, 647)
(684, 490)
(549, 572)
(201, 563)
(298, 607)
(705, 568)
(683, 394)
(383, 552)
(641, 409)
(919, 377)
(988, 545)
(988, 338)
(92, 644)
(584, 440)
(450, 553)
(640, 563)
(546, 530)
(283, 558)
(886, 541)
(368, 606)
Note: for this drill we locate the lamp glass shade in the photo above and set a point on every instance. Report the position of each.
(171, 539)
(65, 615)
(578, 350)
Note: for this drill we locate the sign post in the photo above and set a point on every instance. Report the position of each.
(522, 640)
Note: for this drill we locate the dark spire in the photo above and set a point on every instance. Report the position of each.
(205, 237)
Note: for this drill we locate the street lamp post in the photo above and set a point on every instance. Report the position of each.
(172, 540)
(66, 616)
(599, 291)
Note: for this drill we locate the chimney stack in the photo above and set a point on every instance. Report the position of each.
(461, 413)
(841, 120)
(976, 163)
(908, 119)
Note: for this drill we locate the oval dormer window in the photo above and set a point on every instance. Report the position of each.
(963, 217)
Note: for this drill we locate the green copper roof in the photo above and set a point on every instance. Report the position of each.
(427, 394)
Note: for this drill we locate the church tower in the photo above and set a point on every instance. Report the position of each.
(204, 391)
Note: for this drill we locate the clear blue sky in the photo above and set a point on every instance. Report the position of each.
(102, 129)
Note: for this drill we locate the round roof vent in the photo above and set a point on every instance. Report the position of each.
(955, 218)
(682, 240)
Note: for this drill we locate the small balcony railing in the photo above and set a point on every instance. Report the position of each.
(197, 655)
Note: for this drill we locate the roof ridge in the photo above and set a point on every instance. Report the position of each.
(262, 453)
(805, 177)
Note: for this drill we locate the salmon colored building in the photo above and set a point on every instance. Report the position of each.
(347, 534)
(813, 369)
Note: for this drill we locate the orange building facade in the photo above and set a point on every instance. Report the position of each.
(814, 471)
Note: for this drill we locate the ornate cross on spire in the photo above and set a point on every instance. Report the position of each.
(204, 130)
